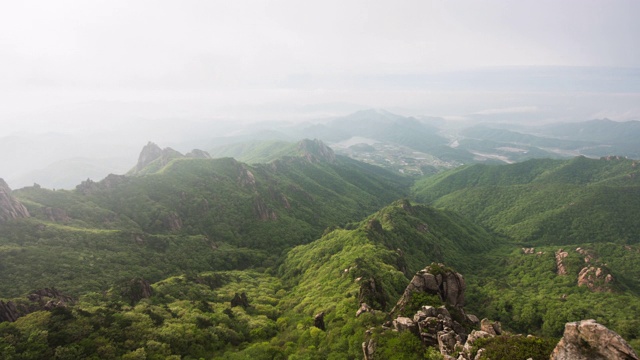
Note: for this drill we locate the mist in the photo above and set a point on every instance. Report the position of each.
(86, 84)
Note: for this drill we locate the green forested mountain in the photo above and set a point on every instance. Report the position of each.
(546, 208)
(545, 201)
(192, 315)
(190, 215)
(191, 257)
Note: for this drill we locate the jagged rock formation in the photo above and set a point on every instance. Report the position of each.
(263, 211)
(136, 290)
(153, 153)
(43, 299)
(318, 321)
(56, 214)
(491, 327)
(240, 300)
(315, 150)
(173, 222)
(435, 326)
(9, 311)
(10, 208)
(89, 186)
(560, 268)
(588, 340)
(198, 154)
(435, 279)
(597, 279)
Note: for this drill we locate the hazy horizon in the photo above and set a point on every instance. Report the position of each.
(115, 74)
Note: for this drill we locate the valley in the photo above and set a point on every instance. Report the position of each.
(195, 256)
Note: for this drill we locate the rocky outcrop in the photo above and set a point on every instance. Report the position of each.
(435, 279)
(318, 321)
(8, 311)
(136, 290)
(56, 214)
(198, 154)
(560, 268)
(89, 186)
(10, 208)
(444, 327)
(316, 151)
(173, 222)
(151, 153)
(597, 279)
(363, 309)
(263, 211)
(491, 327)
(588, 340)
(240, 299)
(43, 299)
(371, 292)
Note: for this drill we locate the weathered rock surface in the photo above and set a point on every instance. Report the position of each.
(240, 300)
(318, 320)
(560, 268)
(43, 299)
(446, 283)
(315, 150)
(198, 154)
(597, 279)
(173, 222)
(10, 208)
(588, 340)
(363, 309)
(149, 153)
(491, 327)
(152, 152)
(136, 290)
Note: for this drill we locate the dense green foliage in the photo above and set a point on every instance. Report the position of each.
(305, 235)
(192, 215)
(190, 315)
(545, 201)
(516, 347)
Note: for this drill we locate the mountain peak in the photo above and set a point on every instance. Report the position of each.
(316, 150)
(10, 208)
(149, 153)
(152, 153)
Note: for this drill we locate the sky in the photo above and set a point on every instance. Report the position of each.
(210, 59)
(138, 69)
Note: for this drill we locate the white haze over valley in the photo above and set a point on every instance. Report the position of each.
(85, 84)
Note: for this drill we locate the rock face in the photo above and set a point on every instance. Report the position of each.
(240, 300)
(149, 153)
(10, 208)
(435, 279)
(318, 321)
(588, 340)
(444, 327)
(152, 152)
(597, 279)
(43, 299)
(315, 150)
(560, 268)
(136, 290)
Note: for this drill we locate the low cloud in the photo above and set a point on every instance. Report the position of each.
(508, 110)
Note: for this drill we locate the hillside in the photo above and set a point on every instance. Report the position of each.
(189, 215)
(544, 201)
(192, 257)
(196, 315)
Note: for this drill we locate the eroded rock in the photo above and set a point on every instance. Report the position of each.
(588, 340)
(10, 208)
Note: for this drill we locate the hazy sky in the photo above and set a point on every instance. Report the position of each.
(207, 59)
